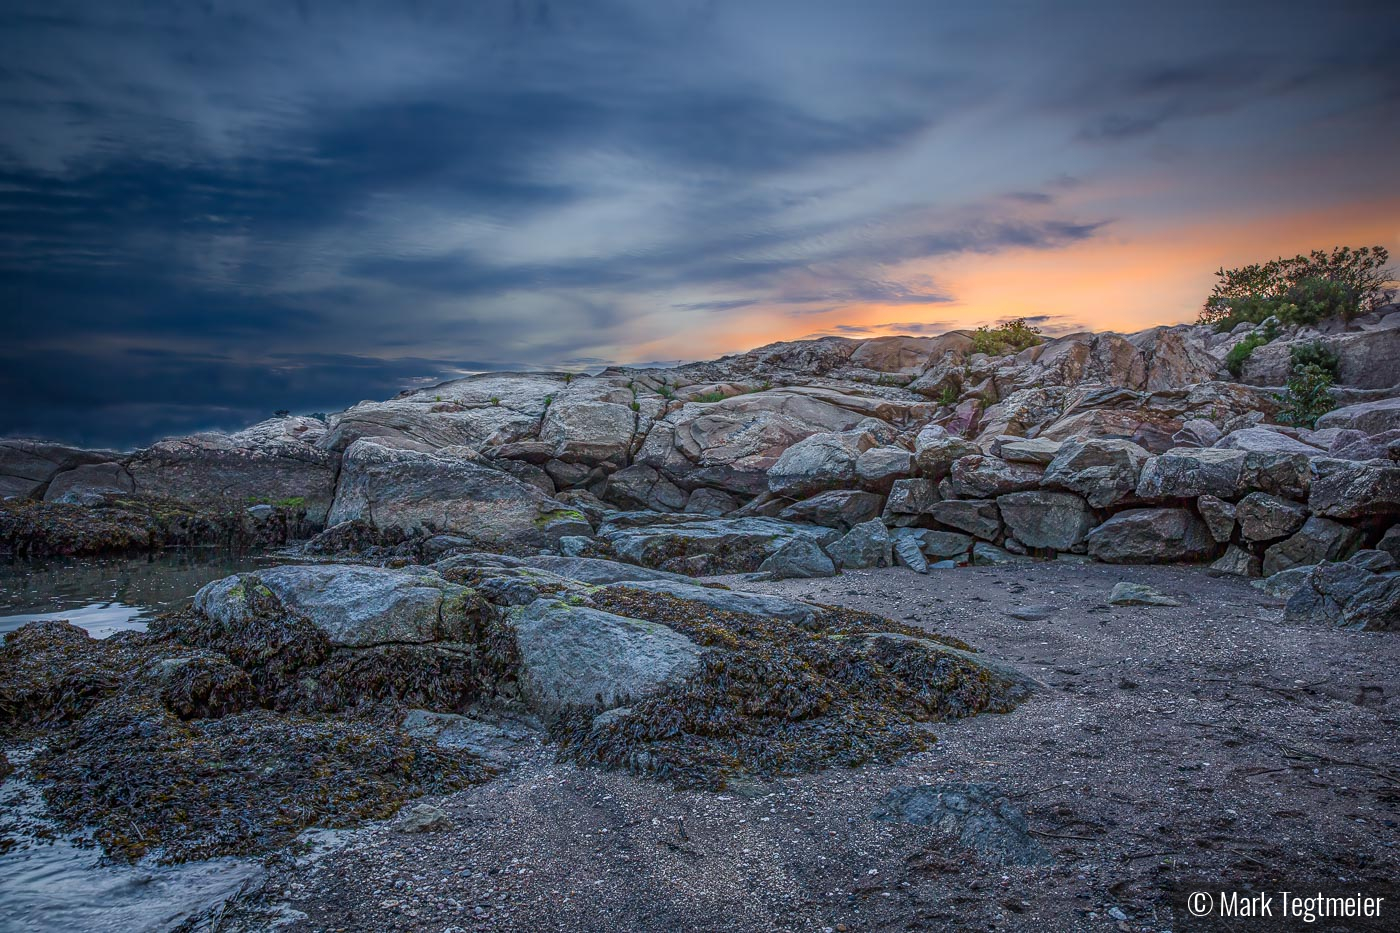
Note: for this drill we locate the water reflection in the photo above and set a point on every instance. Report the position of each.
(113, 594)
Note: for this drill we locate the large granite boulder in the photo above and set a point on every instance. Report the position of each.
(574, 656)
(447, 492)
(1319, 539)
(1349, 596)
(1279, 473)
(1369, 417)
(839, 508)
(1354, 489)
(598, 420)
(911, 497)
(697, 547)
(1103, 470)
(1151, 536)
(879, 468)
(866, 545)
(978, 517)
(642, 487)
(935, 450)
(1044, 519)
(732, 443)
(763, 605)
(479, 411)
(1187, 472)
(353, 606)
(276, 461)
(27, 467)
(819, 462)
(1264, 518)
(798, 559)
(983, 477)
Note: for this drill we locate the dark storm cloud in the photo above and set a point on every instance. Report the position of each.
(208, 212)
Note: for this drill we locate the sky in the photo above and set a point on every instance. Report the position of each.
(212, 211)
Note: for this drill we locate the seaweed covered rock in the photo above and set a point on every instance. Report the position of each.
(771, 696)
(351, 605)
(163, 748)
(119, 524)
(576, 656)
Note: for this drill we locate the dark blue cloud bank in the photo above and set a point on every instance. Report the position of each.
(211, 211)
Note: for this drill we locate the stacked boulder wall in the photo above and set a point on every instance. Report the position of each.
(275, 462)
(447, 492)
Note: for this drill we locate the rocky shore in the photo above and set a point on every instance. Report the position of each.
(637, 579)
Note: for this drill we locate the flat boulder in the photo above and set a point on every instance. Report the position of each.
(978, 817)
(575, 656)
(978, 517)
(444, 492)
(1150, 536)
(353, 606)
(1265, 440)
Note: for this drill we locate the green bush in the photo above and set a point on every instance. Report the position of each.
(1301, 290)
(710, 397)
(1305, 397)
(949, 396)
(1235, 359)
(1010, 337)
(1317, 354)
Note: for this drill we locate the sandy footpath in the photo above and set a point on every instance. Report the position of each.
(1169, 744)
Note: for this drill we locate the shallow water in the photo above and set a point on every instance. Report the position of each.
(49, 881)
(50, 884)
(109, 595)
